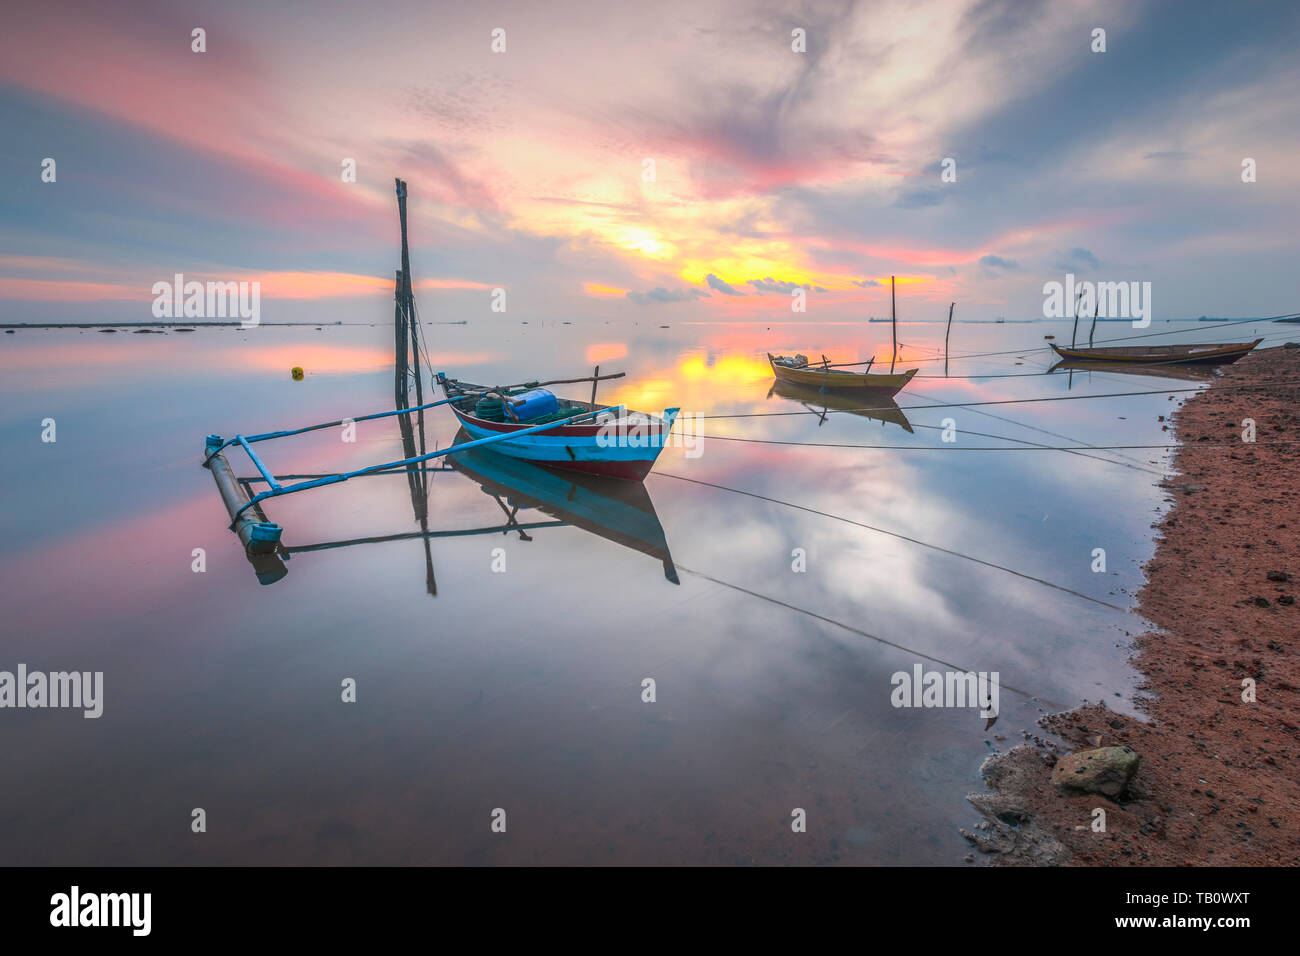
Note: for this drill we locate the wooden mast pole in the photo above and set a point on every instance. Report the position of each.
(399, 341)
(406, 334)
(405, 293)
(401, 316)
(893, 323)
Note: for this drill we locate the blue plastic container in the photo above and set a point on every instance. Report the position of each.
(536, 403)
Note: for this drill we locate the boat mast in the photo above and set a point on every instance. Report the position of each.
(407, 341)
(893, 324)
(401, 313)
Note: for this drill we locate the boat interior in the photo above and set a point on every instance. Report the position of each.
(485, 402)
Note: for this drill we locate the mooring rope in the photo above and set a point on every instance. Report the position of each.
(893, 534)
(1026, 447)
(861, 633)
(1003, 401)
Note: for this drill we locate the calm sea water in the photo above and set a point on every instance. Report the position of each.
(522, 689)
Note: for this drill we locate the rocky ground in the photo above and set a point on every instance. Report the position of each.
(1217, 777)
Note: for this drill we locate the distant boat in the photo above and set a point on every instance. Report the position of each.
(1211, 352)
(823, 375)
(613, 443)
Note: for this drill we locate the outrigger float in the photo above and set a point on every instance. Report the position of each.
(524, 421)
(618, 511)
(262, 536)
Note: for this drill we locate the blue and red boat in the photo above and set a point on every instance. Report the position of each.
(605, 440)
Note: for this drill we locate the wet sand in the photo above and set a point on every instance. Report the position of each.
(1219, 779)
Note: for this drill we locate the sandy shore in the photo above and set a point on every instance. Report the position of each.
(1219, 779)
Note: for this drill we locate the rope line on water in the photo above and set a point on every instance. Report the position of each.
(861, 633)
(1079, 450)
(1129, 462)
(1027, 447)
(892, 534)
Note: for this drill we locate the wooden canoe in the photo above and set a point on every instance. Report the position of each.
(620, 444)
(833, 379)
(1210, 352)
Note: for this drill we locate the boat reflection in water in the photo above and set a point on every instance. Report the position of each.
(619, 511)
(868, 404)
(1180, 371)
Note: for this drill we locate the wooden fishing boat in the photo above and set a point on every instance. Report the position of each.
(605, 440)
(798, 371)
(618, 511)
(873, 405)
(1210, 352)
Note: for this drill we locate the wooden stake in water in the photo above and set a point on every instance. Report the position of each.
(399, 338)
(1075, 334)
(893, 324)
(595, 380)
(1096, 306)
(951, 306)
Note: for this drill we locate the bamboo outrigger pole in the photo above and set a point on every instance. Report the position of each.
(825, 364)
(501, 391)
(215, 445)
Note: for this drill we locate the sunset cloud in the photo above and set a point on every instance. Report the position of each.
(723, 287)
(660, 295)
(691, 157)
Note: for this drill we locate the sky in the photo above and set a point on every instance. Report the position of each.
(649, 162)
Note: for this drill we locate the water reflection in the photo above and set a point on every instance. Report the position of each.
(619, 511)
(881, 408)
(1179, 371)
(524, 689)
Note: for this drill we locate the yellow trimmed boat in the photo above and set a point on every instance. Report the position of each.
(833, 378)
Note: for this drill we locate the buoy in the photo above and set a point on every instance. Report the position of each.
(296, 372)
